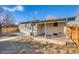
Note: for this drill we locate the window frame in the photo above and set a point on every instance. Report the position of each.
(55, 24)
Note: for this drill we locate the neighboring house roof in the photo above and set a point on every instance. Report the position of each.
(52, 20)
(71, 18)
(74, 22)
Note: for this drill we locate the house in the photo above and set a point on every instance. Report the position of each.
(54, 27)
(47, 27)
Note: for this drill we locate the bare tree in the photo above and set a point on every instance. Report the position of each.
(50, 17)
(6, 19)
(1, 10)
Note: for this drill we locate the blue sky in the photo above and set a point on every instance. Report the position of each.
(24, 12)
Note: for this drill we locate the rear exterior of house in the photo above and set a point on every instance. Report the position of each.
(28, 28)
(55, 27)
(47, 27)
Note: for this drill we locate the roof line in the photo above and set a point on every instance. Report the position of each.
(58, 19)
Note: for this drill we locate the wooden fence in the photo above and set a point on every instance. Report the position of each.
(73, 33)
(8, 30)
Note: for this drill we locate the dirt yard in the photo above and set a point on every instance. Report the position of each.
(26, 45)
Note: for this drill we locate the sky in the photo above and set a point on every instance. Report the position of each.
(28, 12)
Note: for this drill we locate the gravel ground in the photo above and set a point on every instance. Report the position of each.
(6, 35)
(16, 48)
(26, 45)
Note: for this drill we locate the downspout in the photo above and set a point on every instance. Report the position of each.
(45, 29)
(32, 28)
(0, 27)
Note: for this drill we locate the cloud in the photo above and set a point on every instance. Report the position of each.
(19, 8)
(16, 8)
(50, 17)
(36, 12)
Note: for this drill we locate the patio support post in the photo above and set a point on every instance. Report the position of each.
(66, 29)
(45, 29)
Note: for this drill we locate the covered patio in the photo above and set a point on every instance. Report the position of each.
(50, 29)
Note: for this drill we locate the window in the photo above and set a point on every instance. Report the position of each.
(55, 24)
(34, 24)
(29, 26)
(25, 25)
